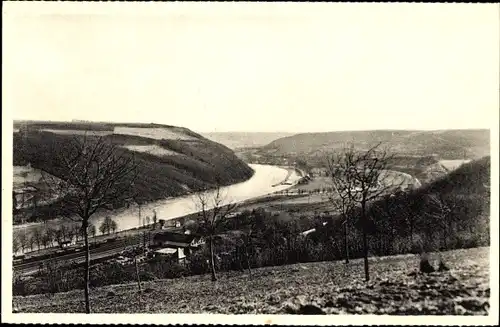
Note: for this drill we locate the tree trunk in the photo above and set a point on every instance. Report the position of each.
(411, 234)
(87, 266)
(346, 242)
(248, 261)
(140, 220)
(137, 274)
(212, 263)
(445, 236)
(365, 241)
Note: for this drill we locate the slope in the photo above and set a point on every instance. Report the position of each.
(446, 144)
(308, 288)
(171, 161)
(451, 212)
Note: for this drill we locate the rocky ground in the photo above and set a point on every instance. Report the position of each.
(313, 288)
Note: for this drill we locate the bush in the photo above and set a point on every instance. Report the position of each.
(165, 268)
(198, 264)
(20, 286)
(111, 273)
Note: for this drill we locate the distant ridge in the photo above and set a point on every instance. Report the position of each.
(447, 144)
(235, 140)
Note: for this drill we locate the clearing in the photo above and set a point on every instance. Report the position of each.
(154, 133)
(77, 132)
(453, 164)
(155, 150)
(318, 288)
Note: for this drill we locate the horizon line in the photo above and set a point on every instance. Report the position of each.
(257, 131)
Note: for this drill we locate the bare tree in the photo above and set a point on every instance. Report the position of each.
(108, 226)
(23, 240)
(92, 231)
(46, 235)
(70, 233)
(16, 244)
(103, 228)
(58, 236)
(214, 209)
(113, 226)
(135, 198)
(30, 240)
(155, 219)
(65, 232)
(92, 174)
(51, 235)
(366, 175)
(342, 198)
(76, 231)
(409, 209)
(247, 239)
(441, 212)
(37, 237)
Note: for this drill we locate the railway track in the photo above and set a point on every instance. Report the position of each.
(102, 251)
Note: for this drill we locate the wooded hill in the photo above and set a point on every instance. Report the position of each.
(446, 144)
(171, 161)
(451, 212)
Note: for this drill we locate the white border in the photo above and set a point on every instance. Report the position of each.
(16, 9)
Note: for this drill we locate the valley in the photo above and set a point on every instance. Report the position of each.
(287, 192)
(280, 161)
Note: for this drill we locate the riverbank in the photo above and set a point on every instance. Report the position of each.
(174, 208)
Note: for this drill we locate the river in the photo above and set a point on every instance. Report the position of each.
(261, 183)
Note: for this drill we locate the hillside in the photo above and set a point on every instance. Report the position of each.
(451, 212)
(308, 288)
(171, 161)
(236, 140)
(447, 214)
(446, 144)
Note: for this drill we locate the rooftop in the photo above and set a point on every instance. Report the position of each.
(176, 238)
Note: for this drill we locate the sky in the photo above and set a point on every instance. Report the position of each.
(299, 67)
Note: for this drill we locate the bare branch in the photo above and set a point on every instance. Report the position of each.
(92, 172)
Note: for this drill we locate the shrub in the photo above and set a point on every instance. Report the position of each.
(198, 264)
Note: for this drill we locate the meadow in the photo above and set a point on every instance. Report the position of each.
(304, 288)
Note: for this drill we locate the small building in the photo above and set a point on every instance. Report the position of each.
(176, 245)
(174, 254)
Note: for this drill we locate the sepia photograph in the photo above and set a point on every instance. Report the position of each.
(257, 163)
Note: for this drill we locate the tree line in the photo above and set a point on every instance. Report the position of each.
(48, 236)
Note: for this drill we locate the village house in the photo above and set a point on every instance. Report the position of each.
(176, 246)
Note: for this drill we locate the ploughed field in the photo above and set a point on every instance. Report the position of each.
(306, 288)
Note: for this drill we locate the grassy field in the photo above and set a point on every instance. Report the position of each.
(315, 184)
(318, 288)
